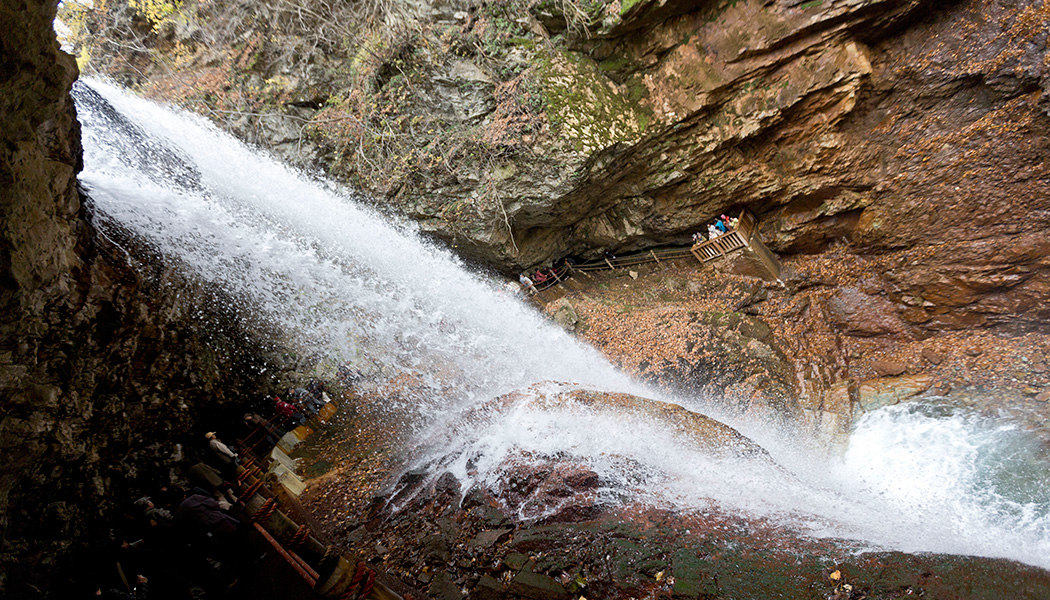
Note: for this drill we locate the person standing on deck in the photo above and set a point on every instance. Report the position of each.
(304, 401)
(526, 283)
(288, 412)
(228, 459)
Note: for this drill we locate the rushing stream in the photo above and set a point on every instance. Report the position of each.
(343, 284)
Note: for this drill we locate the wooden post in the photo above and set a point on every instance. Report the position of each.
(748, 219)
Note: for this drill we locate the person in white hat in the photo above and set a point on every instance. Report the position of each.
(228, 458)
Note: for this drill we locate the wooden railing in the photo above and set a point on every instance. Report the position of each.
(720, 246)
(740, 237)
(639, 258)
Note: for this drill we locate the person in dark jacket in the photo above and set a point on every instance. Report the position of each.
(201, 514)
(209, 479)
(271, 433)
(158, 516)
(215, 533)
(304, 401)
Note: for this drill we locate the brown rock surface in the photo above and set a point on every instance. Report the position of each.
(932, 356)
(703, 432)
(640, 325)
(888, 367)
(888, 391)
(856, 313)
(556, 492)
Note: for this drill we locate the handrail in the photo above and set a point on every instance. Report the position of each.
(277, 422)
(646, 256)
(559, 275)
(719, 246)
(739, 237)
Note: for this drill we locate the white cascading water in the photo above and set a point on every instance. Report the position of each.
(349, 285)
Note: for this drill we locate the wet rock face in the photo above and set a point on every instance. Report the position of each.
(856, 313)
(553, 491)
(450, 544)
(693, 331)
(732, 358)
(40, 243)
(106, 364)
(885, 392)
(559, 487)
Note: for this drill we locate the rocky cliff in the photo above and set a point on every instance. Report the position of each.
(909, 131)
(106, 373)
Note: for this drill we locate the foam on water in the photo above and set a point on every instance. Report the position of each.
(347, 284)
(957, 481)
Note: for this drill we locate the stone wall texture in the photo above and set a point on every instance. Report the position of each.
(105, 370)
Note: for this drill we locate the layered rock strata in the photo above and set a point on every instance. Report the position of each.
(519, 133)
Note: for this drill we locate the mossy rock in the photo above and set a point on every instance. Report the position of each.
(584, 106)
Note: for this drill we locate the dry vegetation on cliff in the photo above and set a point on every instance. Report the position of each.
(390, 96)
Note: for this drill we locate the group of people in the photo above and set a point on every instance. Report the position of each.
(185, 540)
(180, 541)
(544, 276)
(722, 225)
(301, 404)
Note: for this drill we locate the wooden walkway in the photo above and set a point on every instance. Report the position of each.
(744, 236)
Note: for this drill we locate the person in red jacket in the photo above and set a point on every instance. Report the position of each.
(288, 412)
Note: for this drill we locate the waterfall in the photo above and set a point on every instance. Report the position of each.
(314, 260)
(342, 283)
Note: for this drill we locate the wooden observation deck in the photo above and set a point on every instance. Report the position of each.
(745, 235)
